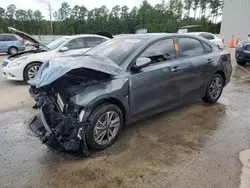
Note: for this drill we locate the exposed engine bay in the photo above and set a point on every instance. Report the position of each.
(62, 128)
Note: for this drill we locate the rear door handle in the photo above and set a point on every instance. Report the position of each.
(209, 61)
(175, 69)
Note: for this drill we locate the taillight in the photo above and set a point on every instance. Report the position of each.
(21, 41)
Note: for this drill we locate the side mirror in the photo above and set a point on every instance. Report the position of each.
(141, 62)
(64, 49)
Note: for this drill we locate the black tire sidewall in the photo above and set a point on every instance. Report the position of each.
(25, 74)
(95, 115)
(208, 98)
(241, 63)
(9, 51)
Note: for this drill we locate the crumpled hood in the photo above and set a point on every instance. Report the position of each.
(57, 67)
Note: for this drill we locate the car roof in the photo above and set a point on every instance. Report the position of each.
(84, 35)
(7, 34)
(154, 36)
(145, 36)
(197, 33)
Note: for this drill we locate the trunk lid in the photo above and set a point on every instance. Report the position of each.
(57, 67)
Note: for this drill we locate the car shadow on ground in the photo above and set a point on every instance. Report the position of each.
(173, 133)
(15, 83)
(4, 54)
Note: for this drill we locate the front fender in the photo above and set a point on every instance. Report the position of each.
(92, 96)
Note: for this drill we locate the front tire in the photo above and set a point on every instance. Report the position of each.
(31, 70)
(241, 63)
(214, 89)
(105, 126)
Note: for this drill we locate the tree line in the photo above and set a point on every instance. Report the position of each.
(167, 16)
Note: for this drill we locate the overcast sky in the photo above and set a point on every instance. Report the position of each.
(90, 4)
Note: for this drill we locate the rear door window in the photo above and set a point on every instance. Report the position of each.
(10, 38)
(190, 47)
(207, 48)
(93, 41)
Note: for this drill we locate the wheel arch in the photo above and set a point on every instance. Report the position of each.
(12, 46)
(30, 64)
(110, 100)
(222, 74)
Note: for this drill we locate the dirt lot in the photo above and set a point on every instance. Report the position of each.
(196, 145)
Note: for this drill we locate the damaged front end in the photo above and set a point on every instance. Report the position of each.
(62, 128)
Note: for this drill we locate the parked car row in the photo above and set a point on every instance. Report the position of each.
(24, 65)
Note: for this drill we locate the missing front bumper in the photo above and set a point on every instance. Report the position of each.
(74, 148)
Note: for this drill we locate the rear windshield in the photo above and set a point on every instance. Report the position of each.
(118, 50)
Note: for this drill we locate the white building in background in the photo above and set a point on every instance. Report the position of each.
(235, 19)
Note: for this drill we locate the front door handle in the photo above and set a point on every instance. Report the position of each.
(175, 69)
(209, 61)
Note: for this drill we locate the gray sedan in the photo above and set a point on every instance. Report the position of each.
(86, 99)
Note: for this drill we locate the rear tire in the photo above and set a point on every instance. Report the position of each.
(30, 71)
(214, 89)
(97, 126)
(241, 63)
(12, 51)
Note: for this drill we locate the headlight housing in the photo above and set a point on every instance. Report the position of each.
(17, 62)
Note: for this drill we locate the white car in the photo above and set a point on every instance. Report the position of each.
(24, 65)
(209, 36)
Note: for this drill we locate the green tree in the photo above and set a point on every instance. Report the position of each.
(203, 7)
(195, 7)
(10, 12)
(125, 19)
(188, 6)
(145, 14)
(167, 16)
(133, 20)
(64, 11)
(215, 6)
(30, 14)
(2, 13)
(114, 19)
(38, 15)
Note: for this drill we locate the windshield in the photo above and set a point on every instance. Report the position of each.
(117, 49)
(55, 44)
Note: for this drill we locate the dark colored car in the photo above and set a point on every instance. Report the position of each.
(242, 53)
(11, 44)
(86, 99)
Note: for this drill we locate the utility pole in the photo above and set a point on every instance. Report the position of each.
(50, 9)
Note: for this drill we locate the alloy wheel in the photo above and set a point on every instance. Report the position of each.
(32, 71)
(106, 127)
(215, 88)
